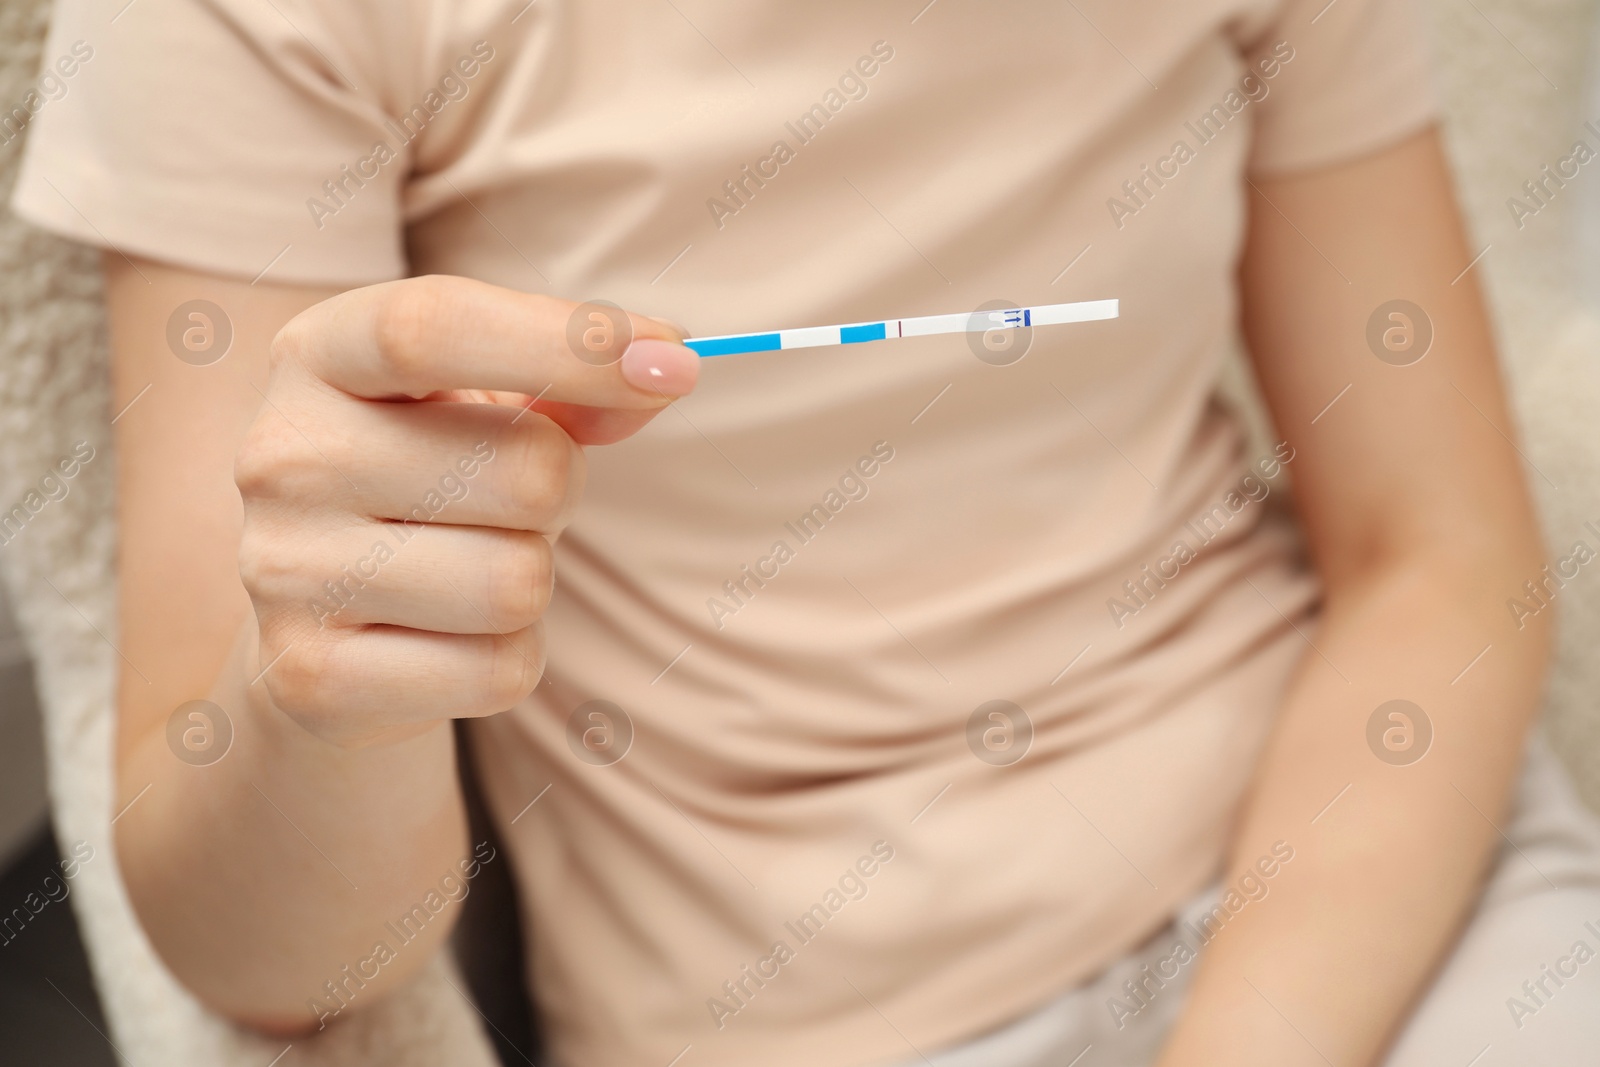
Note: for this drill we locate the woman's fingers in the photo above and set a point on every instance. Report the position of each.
(348, 686)
(447, 579)
(593, 426)
(418, 336)
(398, 511)
(460, 464)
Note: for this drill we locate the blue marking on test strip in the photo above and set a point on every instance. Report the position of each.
(851, 335)
(732, 346)
(1027, 316)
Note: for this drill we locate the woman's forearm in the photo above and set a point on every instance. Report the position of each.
(1388, 854)
(278, 868)
(236, 862)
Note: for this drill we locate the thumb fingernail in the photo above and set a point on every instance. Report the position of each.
(660, 367)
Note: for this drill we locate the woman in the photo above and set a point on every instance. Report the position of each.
(894, 704)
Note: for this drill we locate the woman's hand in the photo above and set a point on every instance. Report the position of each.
(397, 535)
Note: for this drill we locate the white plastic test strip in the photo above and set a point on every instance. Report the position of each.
(860, 332)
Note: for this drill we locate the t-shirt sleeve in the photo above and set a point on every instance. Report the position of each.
(229, 136)
(1352, 76)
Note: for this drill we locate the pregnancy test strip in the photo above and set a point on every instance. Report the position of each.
(927, 325)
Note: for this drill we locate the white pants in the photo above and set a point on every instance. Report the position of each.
(1541, 900)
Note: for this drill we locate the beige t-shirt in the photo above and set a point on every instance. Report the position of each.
(799, 831)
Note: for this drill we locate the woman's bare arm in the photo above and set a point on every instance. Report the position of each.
(1420, 527)
(260, 876)
(267, 878)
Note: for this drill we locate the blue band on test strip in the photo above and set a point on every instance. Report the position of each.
(732, 346)
(850, 335)
(769, 342)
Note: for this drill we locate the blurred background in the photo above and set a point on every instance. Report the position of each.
(1518, 78)
(44, 976)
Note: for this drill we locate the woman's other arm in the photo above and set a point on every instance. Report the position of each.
(1421, 528)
